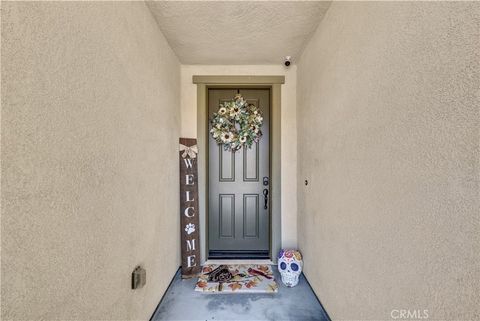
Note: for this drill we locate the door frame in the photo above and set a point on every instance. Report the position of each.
(274, 84)
(207, 153)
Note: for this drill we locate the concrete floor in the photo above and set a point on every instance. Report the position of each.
(181, 302)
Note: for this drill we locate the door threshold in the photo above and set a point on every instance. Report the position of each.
(240, 261)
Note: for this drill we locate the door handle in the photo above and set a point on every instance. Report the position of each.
(265, 194)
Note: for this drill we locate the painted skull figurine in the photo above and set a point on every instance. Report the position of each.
(290, 266)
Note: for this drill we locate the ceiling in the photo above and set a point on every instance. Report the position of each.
(237, 32)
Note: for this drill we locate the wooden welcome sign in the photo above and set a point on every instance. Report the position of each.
(189, 229)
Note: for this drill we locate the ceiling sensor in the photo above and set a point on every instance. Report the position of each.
(287, 61)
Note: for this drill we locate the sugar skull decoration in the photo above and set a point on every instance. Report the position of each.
(290, 266)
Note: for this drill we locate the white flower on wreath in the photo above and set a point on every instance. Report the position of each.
(227, 137)
(222, 111)
(243, 139)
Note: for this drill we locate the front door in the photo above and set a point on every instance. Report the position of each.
(239, 187)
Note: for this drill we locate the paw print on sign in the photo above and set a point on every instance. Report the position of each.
(190, 228)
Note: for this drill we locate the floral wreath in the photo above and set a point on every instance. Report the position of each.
(236, 124)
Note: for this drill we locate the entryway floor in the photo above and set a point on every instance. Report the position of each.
(181, 302)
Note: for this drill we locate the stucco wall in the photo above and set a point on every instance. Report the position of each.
(288, 129)
(388, 137)
(90, 127)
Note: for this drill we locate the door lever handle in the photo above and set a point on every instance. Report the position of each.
(265, 194)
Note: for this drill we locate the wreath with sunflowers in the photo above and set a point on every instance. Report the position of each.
(236, 124)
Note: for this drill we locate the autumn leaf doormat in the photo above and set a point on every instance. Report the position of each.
(245, 278)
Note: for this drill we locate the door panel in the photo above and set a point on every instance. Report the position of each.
(226, 162)
(226, 215)
(250, 215)
(251, 159)
(239, 223)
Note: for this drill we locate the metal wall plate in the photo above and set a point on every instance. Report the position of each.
(139, 277)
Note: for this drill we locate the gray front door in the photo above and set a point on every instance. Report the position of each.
(238, 209)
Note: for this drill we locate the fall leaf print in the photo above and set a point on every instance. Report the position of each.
(237, 278)
(263, 268)
(235, 286)
(251, 284)
(207, 269)
(272, 287)
(202, 284)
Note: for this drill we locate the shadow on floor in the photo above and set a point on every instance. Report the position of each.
(181, 302)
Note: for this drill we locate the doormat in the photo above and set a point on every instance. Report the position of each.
(242, 278)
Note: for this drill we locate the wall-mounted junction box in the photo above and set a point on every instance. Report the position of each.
(139, 277)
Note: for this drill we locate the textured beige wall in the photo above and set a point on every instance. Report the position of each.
(288, 128)
(90, 126)
(388, 136)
